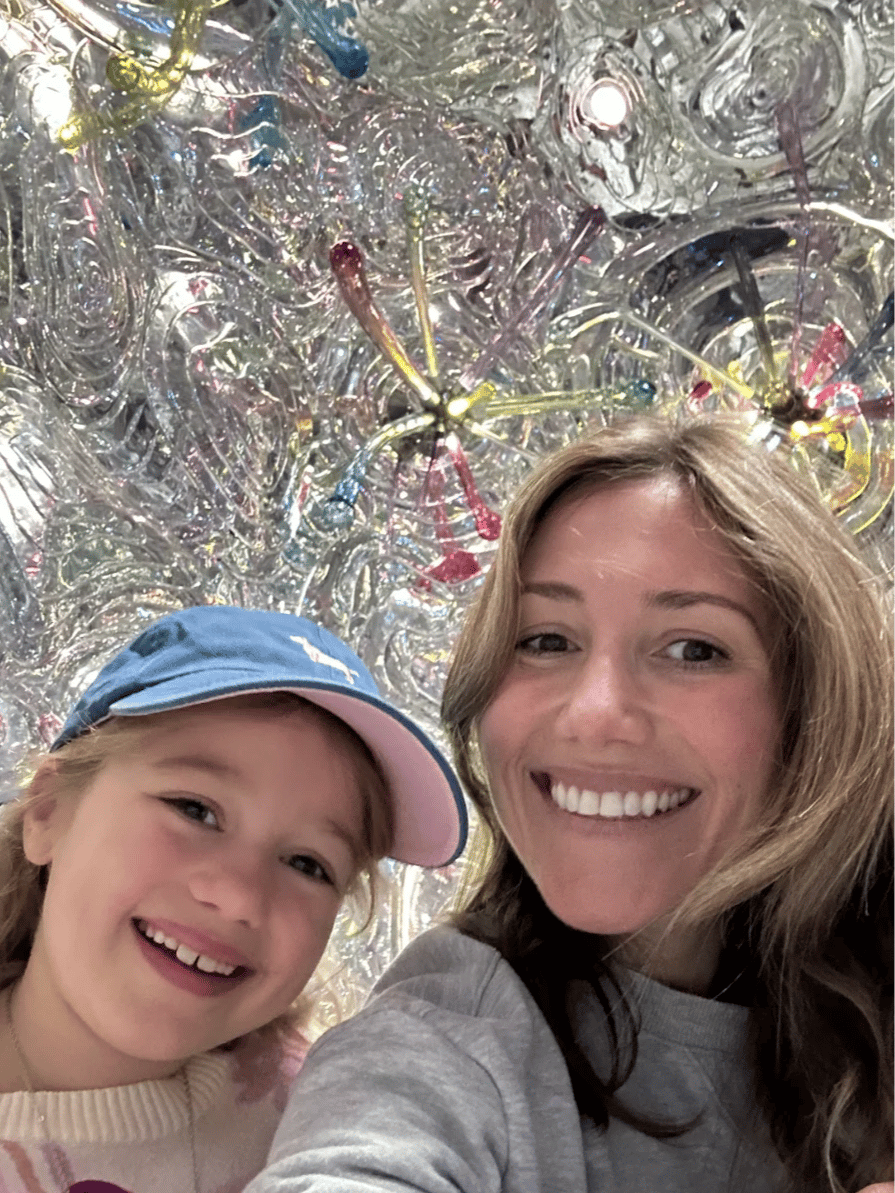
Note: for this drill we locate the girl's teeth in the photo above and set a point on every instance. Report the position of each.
(185, 954)
(613, 805)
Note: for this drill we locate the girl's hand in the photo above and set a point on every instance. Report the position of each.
(883, 1187)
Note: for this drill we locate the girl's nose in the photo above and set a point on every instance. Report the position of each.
(235, 882)
(605, 703)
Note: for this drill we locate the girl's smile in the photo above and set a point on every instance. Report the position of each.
(200, 973)
(632, 741)
(192, 888)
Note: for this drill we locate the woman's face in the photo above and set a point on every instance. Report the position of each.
(633, 739)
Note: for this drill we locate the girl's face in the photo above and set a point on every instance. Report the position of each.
(192, 886)
(634, 737)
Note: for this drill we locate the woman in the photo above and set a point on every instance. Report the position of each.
(671, 707)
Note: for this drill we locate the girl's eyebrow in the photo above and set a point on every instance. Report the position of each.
(348, 838)
(199, 762)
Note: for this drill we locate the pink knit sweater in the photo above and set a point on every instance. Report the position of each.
(137, 1137)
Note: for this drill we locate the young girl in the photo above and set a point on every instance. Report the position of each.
(169, 882)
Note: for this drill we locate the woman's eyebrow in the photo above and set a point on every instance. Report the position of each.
(682, 599)
(553, 590)
(674, 598)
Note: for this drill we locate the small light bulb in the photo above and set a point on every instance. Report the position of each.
(606, 104)
(51, 101)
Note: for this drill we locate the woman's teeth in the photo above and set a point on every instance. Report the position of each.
(613, 805)
(183, 952)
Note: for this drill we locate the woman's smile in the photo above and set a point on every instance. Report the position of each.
(617, 799)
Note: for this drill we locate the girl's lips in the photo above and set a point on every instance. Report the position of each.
(185, 977)
(200, 942)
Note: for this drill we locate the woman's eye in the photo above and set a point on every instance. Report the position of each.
(544, 644)
(695, 652)
(194, 809)
(311, 867)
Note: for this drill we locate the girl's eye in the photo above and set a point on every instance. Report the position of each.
(194, 809)
(694, 652)
(545, 644)
(311, 867)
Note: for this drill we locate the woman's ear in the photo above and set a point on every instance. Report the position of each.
(44, 817)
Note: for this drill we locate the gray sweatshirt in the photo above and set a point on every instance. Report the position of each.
(450, 1080)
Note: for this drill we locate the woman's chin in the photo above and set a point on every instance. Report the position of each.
(619, 926)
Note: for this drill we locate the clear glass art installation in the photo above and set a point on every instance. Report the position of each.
(293, 293)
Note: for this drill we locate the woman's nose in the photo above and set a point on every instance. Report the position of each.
(605, 702)
(235, 882)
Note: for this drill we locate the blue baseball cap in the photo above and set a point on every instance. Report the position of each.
(212, 651)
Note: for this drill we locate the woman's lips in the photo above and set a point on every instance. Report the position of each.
(618, 798)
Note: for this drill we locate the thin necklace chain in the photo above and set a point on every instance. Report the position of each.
(40, 1108)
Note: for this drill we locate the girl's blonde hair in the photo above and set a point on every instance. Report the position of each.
(816, 869)
(67, 772)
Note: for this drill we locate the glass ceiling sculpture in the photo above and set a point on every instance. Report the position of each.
(296, 291)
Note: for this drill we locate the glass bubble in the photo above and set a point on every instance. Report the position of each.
(80, 311)
(683, 311)
(473, 56)
(811, 55)
(631, 164)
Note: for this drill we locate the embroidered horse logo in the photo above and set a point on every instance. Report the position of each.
(317, 656)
